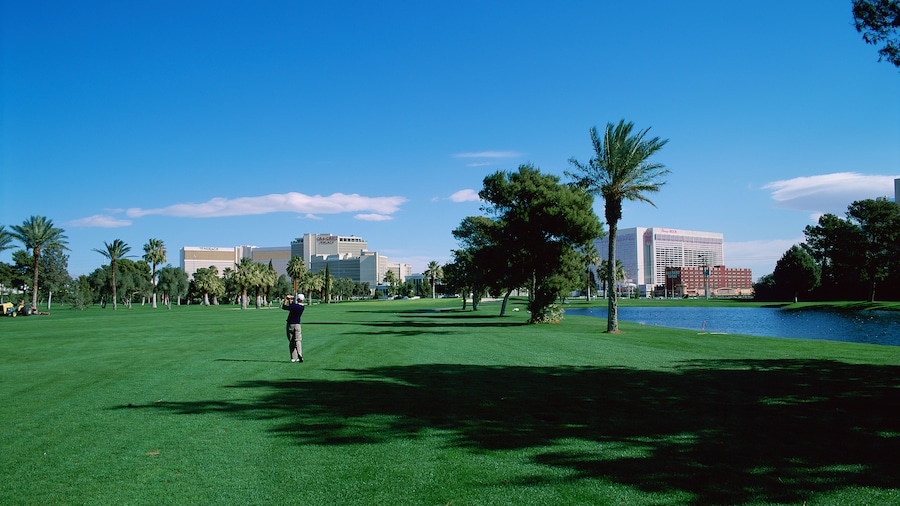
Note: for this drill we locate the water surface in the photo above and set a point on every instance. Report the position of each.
(874, 327)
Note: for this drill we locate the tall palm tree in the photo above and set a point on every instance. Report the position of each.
(433, 272)
(5, 238)
(114, 251)
(37, 233)
(243, 276)
(154, 254)
(296, 269)
(620, 170)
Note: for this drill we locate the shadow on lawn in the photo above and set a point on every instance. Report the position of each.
(725, 431)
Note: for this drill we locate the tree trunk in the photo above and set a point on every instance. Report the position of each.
(34, 285)
(115, 303)
(505, 299)
(612, 319)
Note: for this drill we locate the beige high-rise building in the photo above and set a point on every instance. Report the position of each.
(345, 256)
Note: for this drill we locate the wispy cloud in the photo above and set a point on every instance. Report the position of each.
(489, 154)
(467, 195)
(373, 217)
(100, 221)
(292, 202)
(828, 193)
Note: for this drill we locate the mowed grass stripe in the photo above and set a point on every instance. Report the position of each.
(418, 402)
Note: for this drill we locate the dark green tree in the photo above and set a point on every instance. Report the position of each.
(493, 268)
(879, 23)
(834, 245)
(796, 272)
(54, 273)
(619, 170)
(539, 225)
(82, 294)
(173, 282)
(879, 223)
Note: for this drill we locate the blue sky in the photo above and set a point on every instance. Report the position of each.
(227, 123)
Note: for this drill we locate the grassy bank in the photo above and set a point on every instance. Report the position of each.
(416, 402)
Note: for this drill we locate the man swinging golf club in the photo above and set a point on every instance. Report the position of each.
(294, 335)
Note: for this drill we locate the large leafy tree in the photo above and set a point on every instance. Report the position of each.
(389, 277)
(879, 224)
(796, 272)
(834, 245)
(620, 170)
(54, 273)
(879, 23)
(155, 255)
(37, 233)
(113, 252)
(539, 225)
(487, 266)
(173, 282)
(460, 276)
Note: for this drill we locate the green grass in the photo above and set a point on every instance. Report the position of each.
(417, 402)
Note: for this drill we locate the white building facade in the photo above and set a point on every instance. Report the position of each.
(345, 256)
(196, 257)
(646, 252)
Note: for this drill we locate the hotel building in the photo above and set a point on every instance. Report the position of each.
(345, 256)
(646, 253)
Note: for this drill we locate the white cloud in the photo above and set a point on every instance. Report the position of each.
(100, 221)
(467, 195)
(489, 154)
(373, 217)
(828, 193)
(292, 202)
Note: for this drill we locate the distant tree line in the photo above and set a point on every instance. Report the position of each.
(41, 267)
(852, 258)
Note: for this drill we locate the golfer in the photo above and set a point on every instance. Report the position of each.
(295, 338)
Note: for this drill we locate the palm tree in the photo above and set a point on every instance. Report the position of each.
(114, 251)
(243, 276)
(5, 238)
(619, 170)
(433, 272)
(618, 275)
(154, 254)
(296, 269)
(316, 283)
(37, 233)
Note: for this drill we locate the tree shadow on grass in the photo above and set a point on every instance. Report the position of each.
(724, 431)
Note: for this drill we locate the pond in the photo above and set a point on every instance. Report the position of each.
(873, 327)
